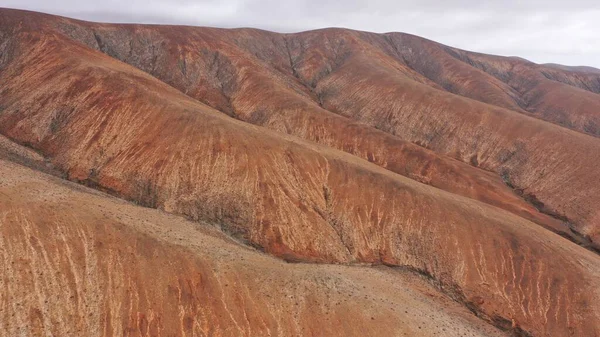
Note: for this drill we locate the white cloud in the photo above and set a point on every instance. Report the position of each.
(542, 31)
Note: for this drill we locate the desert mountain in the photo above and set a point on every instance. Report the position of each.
(420, 189)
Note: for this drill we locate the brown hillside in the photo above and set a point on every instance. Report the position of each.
(302, 83)
(358, 156)
(79, 263)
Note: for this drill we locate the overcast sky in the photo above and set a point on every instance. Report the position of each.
(542, 31)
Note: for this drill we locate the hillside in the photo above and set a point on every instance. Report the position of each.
(465, 185)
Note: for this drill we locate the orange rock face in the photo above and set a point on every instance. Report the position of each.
(330, 147)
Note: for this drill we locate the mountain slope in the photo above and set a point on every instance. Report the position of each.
(562, 96)
(106, 124)
(211, 70)
(279, 81)
(76, 262)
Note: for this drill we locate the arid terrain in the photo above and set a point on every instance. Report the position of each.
(190, 181)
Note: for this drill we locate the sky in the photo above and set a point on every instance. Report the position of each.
(542, 31)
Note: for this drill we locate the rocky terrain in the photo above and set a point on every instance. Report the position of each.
(331, 182)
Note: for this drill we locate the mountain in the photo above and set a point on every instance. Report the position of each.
(388, 171)
(583, 69)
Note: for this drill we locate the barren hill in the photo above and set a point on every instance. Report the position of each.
(464, 184)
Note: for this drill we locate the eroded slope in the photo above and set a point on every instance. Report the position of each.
(402, 85)
(125, 132)
(256, 77)
(77, 262)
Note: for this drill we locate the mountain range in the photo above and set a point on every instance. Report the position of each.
(190, 181)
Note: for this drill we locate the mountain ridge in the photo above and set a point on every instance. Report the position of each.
(307, 183)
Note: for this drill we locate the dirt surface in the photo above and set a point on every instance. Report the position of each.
(77, 262)
(330, 147)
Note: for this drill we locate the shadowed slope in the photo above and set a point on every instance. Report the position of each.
(109, 125)
(584, 70)
(561, 96)
(564, 96)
